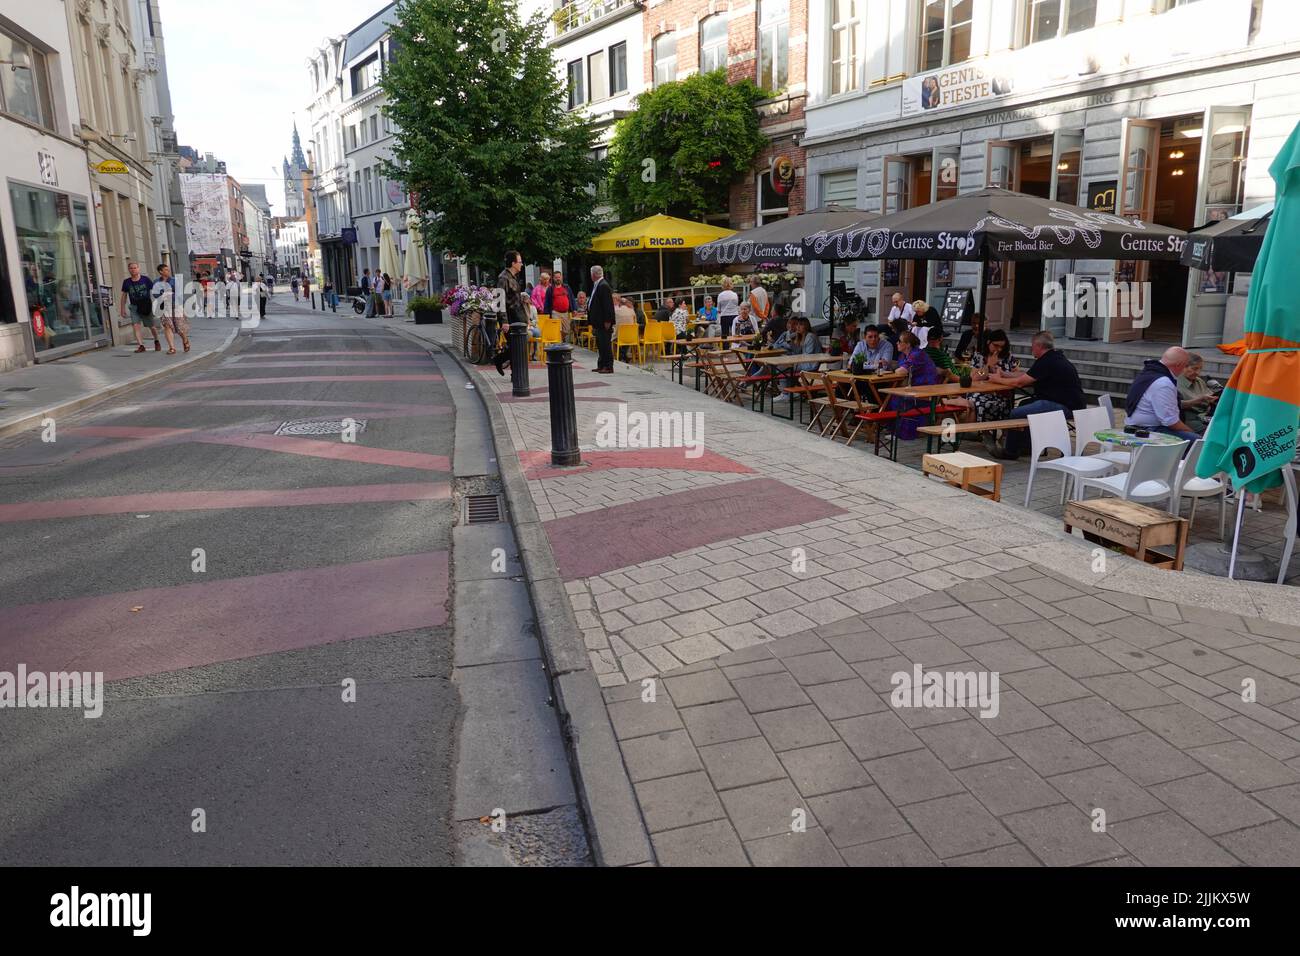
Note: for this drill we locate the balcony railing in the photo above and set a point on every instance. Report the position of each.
(579, 13)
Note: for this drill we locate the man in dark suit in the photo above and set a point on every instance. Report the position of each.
(600, 309)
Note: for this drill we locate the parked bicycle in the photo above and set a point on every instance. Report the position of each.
(482, 338)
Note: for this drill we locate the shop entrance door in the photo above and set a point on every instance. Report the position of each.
(1067, 161)
(1001, 161)
(896, 274)
(1137, 196)
(1222, 188)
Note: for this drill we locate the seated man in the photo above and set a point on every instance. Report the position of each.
(940, 356)
(873, 353)
(1056, 388)
(1152, 401)
(665, 311)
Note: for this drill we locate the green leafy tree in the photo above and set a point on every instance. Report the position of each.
(484, 143)
(684, 145)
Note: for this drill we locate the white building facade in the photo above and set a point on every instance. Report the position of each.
(329, 163)
(368, 140)
(291, 247)
(600, 55)
(159, 133)
(49, 261)
(1171, 110)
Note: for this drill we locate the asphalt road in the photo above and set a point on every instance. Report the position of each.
(230, 582)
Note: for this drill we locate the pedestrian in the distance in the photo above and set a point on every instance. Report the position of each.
(306, 289)
(137, 289)
(514, 302)
(293, 284)
(171, 311)
(331, 295)
(388, 295)
(600, 309)
(263, 294)
(559, 305)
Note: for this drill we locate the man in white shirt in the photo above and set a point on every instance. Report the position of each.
(902, 310)
(1153, 398)
(759, 306)
(728, 306)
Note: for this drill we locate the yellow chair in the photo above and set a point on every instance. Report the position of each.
(652, 343)
(628, 337)
(648, 310)
(586, 337)
(669, 333)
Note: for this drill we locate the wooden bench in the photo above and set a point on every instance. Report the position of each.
(963, 471)
(957, 429)
(1135, 528)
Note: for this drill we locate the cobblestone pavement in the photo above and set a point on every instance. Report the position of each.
(748, 625)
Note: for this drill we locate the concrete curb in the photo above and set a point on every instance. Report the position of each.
(616, 828)
(108, 391)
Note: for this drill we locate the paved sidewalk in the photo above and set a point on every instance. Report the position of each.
(747, 611)
(28, 395)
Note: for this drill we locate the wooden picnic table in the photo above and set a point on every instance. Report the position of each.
(949, 390)
(783, 360)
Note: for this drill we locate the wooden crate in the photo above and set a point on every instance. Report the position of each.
(962, 471)
(1135, 528)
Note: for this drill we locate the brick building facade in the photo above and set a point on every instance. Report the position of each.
(760, 40)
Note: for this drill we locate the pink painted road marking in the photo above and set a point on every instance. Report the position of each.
(338, 451)
(196, 624)
(410, 408)
(217, 500)
(348, 362)
(598, 541)
(362, 352)
(537, 464)
(288, 379)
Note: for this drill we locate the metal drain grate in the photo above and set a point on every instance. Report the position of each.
(318, 426)
(21, 388)
(482, 509)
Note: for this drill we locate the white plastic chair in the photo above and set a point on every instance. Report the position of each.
(1151, 478)
(1087, 422)
(1190, 486)
(1048, 432)
(1121, 459)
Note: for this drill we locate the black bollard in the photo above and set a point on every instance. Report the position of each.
(518, 336)
(564, 417)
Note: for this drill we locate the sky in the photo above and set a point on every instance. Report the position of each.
(238, 76)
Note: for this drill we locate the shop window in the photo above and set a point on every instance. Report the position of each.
(24, 82)
(53, 232)
(945, 33)
(713, 43)
(665, 58)
(772, 206)
(773, 44)
(846, 26)
(577, 88)
(618, 68)
(597, 76)
(1049, 19)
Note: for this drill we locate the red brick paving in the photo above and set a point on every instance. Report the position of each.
(537, 464)
(622, 535)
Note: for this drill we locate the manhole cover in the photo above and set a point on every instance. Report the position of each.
(320, 426)
(21, 388)
(482, 509)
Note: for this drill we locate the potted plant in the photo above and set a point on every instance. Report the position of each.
(427, 309)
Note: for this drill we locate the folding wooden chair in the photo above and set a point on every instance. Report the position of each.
(855, 407)
(818, 401)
